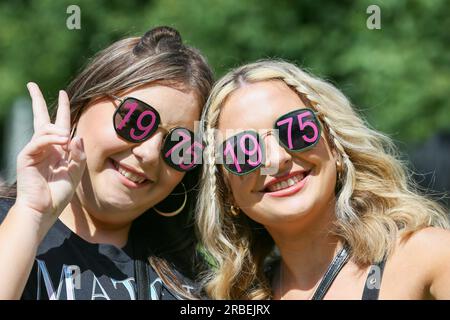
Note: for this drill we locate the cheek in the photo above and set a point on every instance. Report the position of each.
(327, 175)
(99, 137)
(319, 156)
(324, 172)
(170, 177)
(242, 188)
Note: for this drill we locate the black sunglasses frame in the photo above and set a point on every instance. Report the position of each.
(280, 141)
(147, 106)
(156, 126)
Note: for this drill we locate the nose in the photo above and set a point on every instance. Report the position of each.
(148, 151)
(277, 159)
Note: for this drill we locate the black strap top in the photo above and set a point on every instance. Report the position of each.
(371, 285)
(373, 281)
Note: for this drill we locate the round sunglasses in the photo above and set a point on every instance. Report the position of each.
(244, 152)
(136, 121)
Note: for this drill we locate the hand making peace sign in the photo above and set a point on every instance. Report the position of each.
(50, 166)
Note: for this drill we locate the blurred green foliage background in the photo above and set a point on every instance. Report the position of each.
(399, 76)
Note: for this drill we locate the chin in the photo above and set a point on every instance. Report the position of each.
(117, 212)
(272, 215)
(296, 203)
(289, 214)
(116, 202)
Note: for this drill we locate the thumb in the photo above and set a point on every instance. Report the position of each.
(77, 160)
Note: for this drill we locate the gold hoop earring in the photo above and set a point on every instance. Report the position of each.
(235, 211)
(174, 213)
(338, 170)
(338, 165)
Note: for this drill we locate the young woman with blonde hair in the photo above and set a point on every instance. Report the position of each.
(300, 199)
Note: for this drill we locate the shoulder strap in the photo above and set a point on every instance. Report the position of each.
(373, 281)
(336, 265)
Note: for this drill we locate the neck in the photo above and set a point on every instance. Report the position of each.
(82, 223)
(306, 250)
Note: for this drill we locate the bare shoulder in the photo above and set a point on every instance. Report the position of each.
(428, 250)
(428, 241)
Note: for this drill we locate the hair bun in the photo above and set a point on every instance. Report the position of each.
(159, 39)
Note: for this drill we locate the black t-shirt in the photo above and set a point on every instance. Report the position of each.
(69, 268)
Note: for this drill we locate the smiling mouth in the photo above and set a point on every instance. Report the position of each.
(289, 182)
(138, 180)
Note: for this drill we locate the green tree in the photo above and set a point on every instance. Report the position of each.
(397, 76)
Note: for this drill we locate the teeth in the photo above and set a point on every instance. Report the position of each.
(287, 183)
(129, 175)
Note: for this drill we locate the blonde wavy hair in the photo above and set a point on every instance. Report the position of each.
(376, 199)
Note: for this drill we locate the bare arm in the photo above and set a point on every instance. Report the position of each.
(20, 235)
(48, 170)
(440, 276)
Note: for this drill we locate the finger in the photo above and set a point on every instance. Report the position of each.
(63, 113)
(40, 111)
(77, 160)
(51, 129)
(39, 144)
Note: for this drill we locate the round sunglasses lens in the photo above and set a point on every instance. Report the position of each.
(135, 120)
(181, 150)
(298, 130)
(242, 153)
